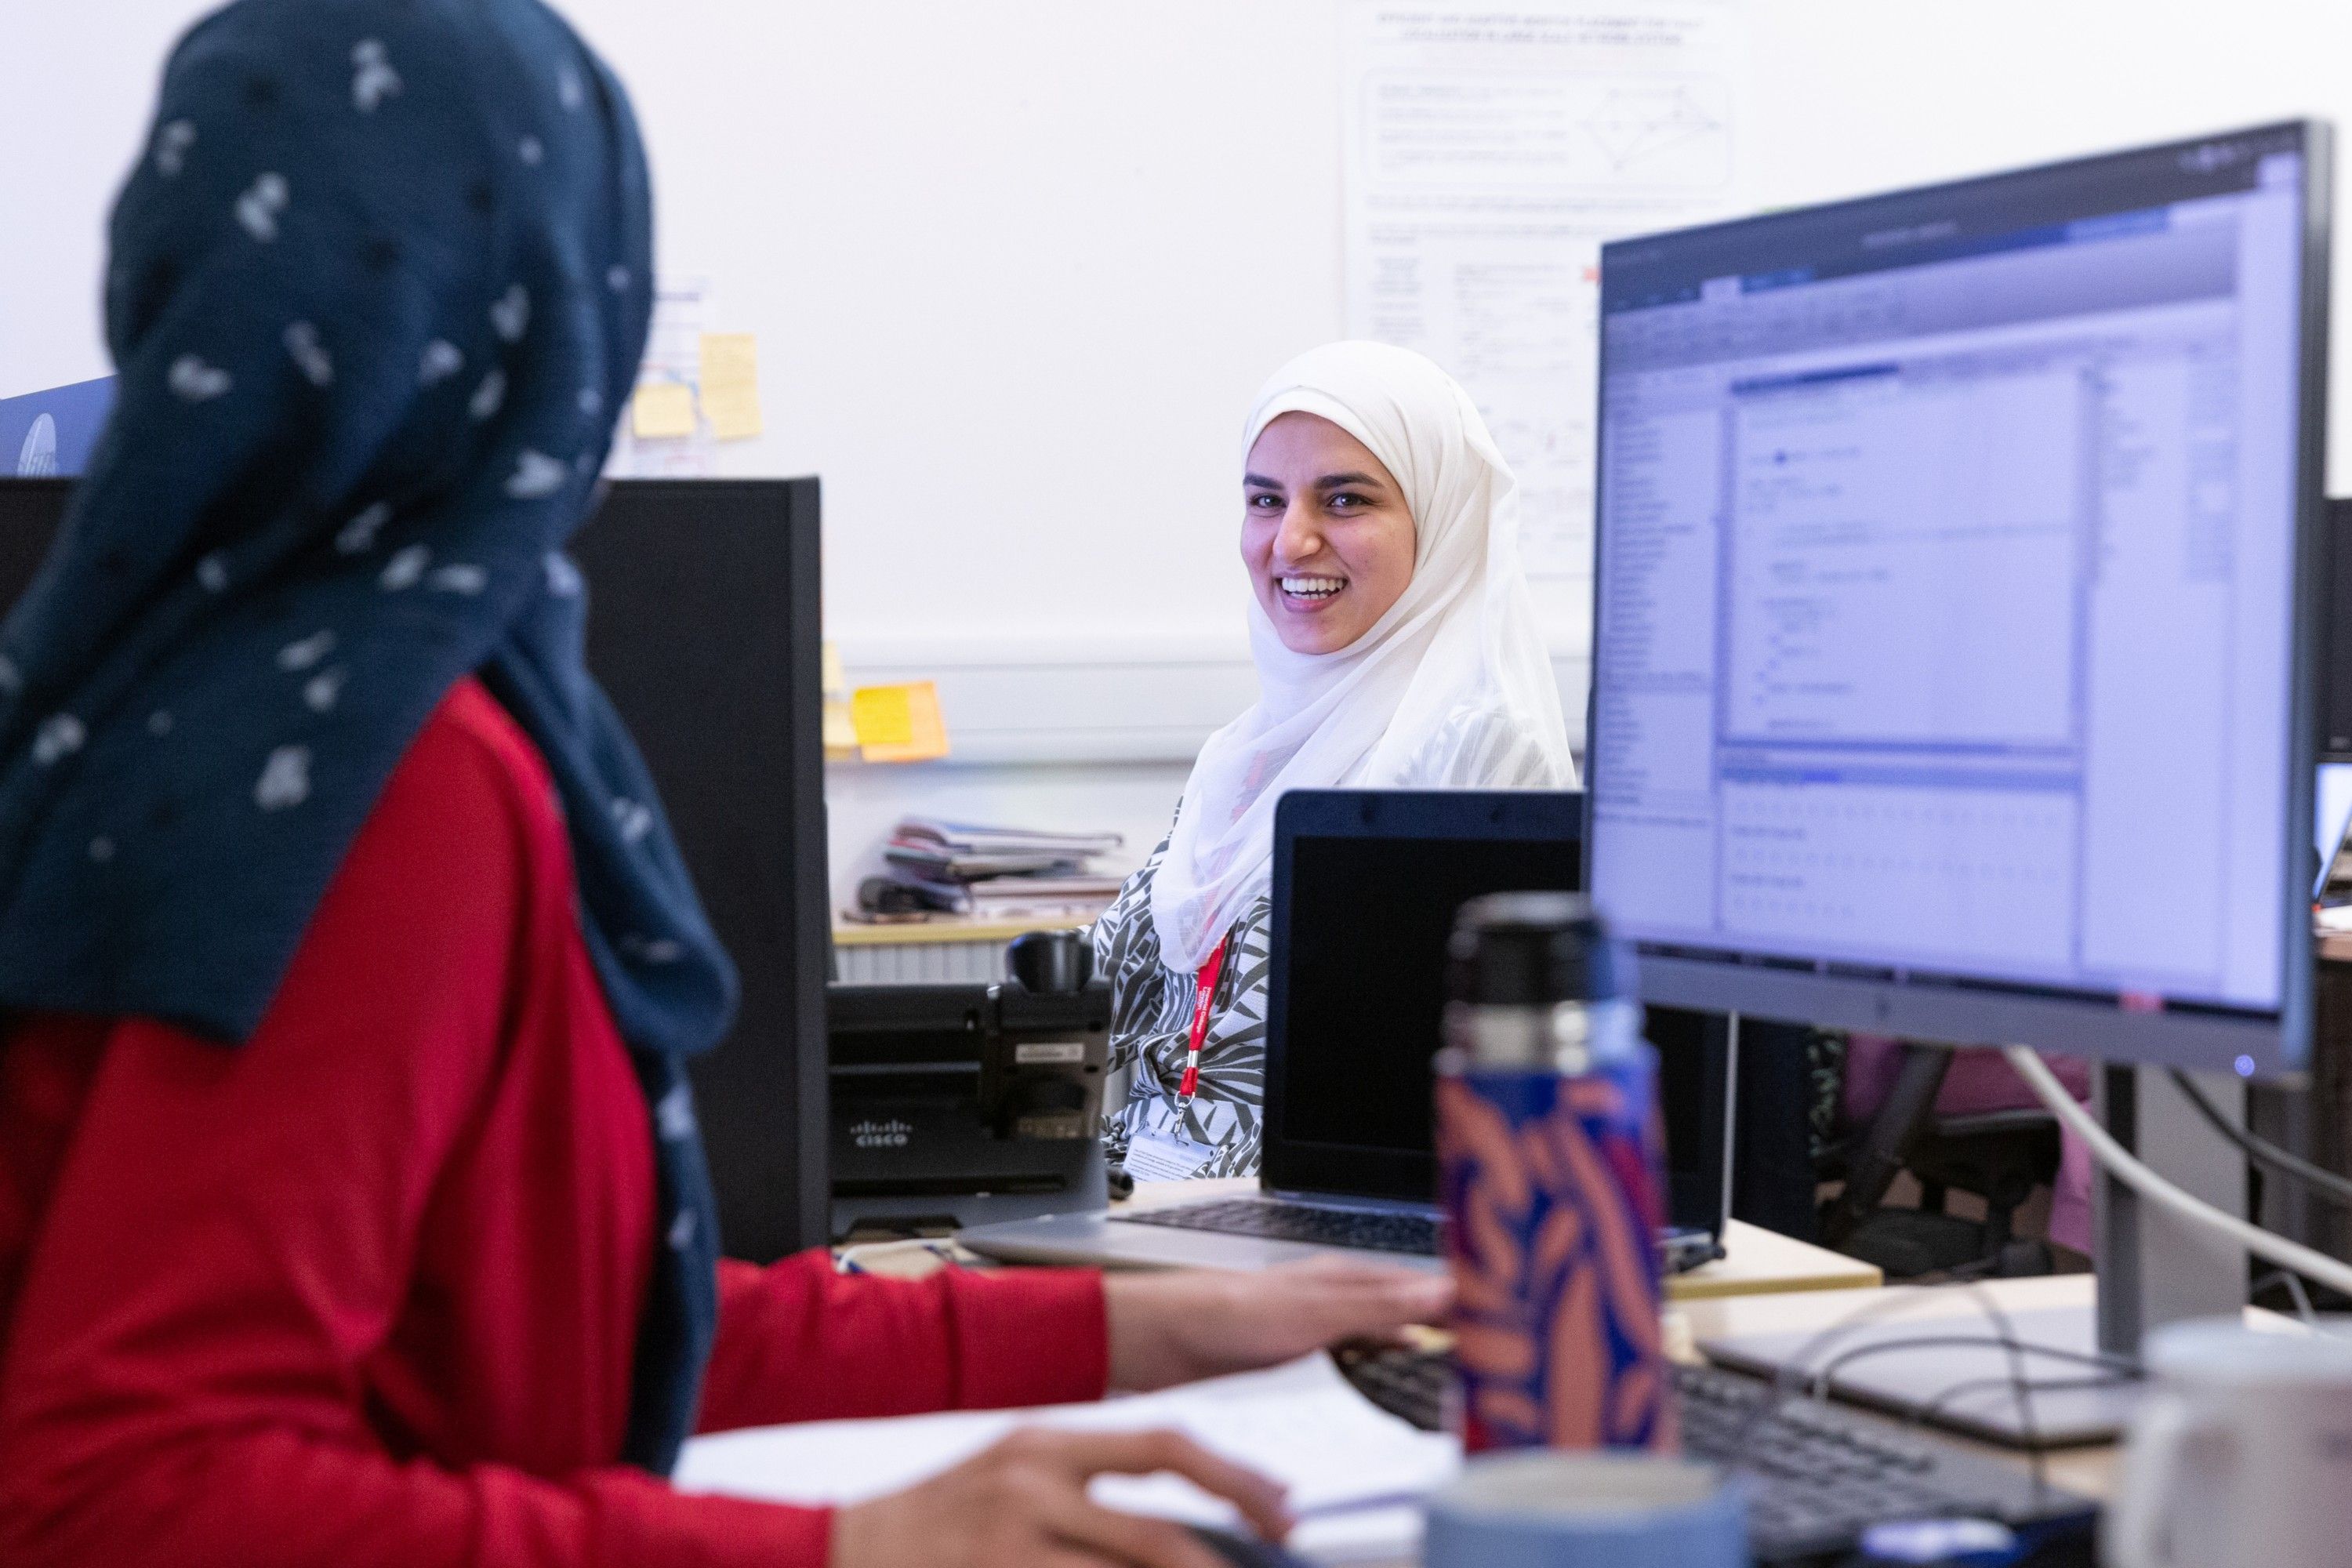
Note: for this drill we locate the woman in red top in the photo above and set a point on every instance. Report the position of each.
(352, 1206)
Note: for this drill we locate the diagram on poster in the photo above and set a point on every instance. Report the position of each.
(1489, 152)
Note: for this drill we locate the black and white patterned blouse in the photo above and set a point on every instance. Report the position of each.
(1151, 1031)
(1151, 1005)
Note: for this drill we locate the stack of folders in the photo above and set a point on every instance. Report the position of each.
(1002, 873)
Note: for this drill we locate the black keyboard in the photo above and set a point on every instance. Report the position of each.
(1372, 1230)
(1819, 1474)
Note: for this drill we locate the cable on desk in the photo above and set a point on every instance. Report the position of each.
(1785, 1381)
(2262, 1151)
(1788, 1380)
(2295, 1292)
(1921, 1415)
(2120, 1164)
(2021, 1388)
(2119, 1365)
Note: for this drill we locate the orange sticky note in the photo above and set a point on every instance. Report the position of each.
(840, 728)
(899, 723)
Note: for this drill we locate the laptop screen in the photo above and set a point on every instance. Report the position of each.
(1366, 884)
(1367, 973)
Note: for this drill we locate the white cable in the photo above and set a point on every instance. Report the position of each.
(2123, 1167)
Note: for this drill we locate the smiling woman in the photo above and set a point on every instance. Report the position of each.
(1325, 533)
(1395, 647)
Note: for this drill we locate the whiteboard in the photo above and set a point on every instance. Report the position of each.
(1016, 265)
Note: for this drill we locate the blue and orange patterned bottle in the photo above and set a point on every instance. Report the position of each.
(1549, 1158)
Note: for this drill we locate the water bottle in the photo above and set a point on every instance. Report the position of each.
(1550, 1148)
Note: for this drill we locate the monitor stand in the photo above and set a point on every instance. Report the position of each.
(2152, 1269)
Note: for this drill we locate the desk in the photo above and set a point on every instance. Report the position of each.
(1766, 1283)
(1755, 1261)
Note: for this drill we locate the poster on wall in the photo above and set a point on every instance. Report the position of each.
(49, 434)
(1488, 150)
(662, 434)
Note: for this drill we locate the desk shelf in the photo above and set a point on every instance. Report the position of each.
(930, 951)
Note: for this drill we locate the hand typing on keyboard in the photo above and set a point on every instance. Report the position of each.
(1185, 1324)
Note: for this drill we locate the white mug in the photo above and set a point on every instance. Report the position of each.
(2242, 1455)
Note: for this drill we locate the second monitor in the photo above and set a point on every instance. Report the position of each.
(1953, 550)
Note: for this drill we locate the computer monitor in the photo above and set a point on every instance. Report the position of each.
(703, 630)
(703, 627)
(1957, 567)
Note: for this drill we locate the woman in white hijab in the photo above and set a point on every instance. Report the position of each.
(1396, 646)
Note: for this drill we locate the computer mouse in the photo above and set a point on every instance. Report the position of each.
(1247, 1550)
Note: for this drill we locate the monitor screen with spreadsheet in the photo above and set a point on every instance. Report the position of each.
(1955, 578)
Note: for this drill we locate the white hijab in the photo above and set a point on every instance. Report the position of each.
(1450, 686)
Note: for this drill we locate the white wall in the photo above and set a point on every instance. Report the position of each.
(1016, 265)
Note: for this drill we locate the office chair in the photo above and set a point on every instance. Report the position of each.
(2001, 1156)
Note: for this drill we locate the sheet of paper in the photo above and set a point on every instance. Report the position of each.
(833, 678)
(1488, 150)
(661, 411)
(1353, 1470)
(899, 723)
(731, 385)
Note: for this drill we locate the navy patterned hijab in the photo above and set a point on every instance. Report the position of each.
(378, 288)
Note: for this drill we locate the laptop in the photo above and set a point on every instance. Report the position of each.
(1366, 886)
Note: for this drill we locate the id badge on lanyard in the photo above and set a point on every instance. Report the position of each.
(1203, 995)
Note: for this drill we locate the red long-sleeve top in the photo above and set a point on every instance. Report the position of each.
(365, 1289)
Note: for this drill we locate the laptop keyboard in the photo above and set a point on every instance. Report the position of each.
(1371, 1231)
(1420, 1235)
(1818, 1474)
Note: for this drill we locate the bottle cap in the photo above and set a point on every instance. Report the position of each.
(1532, 949)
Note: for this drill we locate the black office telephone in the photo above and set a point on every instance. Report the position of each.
(956, 1105)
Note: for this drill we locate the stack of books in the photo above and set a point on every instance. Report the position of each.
(1002, 873)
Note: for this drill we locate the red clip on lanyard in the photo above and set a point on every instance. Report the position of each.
(1201, 1000)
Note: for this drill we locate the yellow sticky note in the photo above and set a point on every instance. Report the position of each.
(840, 728)
(834, 680)
(883, 715)
(731, 385)
(899, 723)
(661, 411)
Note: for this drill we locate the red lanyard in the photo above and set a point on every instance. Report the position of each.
(1201, 999)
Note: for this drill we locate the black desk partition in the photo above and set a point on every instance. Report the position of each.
(703, 627)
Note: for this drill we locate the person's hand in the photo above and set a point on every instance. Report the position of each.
(1174, 1327)
(1023, 1504)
